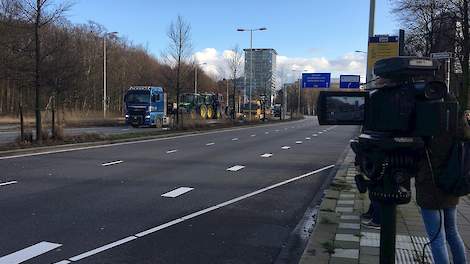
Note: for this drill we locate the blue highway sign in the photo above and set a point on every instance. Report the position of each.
(350, 81)
(316, 80)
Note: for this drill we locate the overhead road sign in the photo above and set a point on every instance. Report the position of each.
(381, 47)
(316, 80)
(349, 81)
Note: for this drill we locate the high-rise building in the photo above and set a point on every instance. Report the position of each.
(261, 75)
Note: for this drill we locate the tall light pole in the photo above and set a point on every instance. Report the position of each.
(195, 75)
(105, 101)
(300, 90)
(371, 34)
(251, 61)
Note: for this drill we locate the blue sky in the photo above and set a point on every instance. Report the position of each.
(300, 30)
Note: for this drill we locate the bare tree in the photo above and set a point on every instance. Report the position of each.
(178, 54)
(234, 62)
(40, 14)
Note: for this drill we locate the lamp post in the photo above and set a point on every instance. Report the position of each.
(195, 75)
(371, 34)
(105, 101)
(251, 61)
(300, 90)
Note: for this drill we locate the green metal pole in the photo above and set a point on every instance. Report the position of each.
(388, 213)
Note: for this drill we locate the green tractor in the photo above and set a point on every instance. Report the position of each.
(193, 104)
(213, 103)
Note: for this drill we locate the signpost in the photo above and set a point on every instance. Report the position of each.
(349, 81)
(447, 56)
(381, 47)
(316, 80)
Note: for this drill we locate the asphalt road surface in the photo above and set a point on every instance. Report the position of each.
(228, 196)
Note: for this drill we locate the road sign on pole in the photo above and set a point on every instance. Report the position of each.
(316, 80)
(381, 47)
(349, 81)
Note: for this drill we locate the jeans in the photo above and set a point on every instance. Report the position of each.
(449, 232)
(376, 212)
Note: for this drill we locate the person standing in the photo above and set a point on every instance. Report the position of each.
(438, 208)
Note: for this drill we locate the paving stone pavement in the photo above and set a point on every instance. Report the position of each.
(339, 237)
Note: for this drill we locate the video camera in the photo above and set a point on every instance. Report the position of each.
(405, 104)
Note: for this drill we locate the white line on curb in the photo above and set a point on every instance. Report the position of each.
(236, 168)
(193, 215)
(28, 253)
(8, 183)
(112, 163)
(177, 192)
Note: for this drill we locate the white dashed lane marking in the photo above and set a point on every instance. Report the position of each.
(308, 138)
(177, 192)
(315, 135)
(285, 147)
(210, 144)
(234, 139)
(253, 135)
(298, 142)
(236, 168)
(28, 253)
(8, 183)
(190, 216)
(267, 155)
(112, 163)
(171, 151)
(266, 132)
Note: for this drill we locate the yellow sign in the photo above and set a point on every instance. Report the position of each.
(378, 51)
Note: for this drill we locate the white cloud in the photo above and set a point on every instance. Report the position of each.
(349, 63)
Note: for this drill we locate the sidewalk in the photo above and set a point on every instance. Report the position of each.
(339, 238)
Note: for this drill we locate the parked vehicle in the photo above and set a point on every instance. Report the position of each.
(194, 104)
(146, 106)
(213, 104)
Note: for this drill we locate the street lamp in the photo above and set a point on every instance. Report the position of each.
(300, 90)
(251, 60)
(195, 75)
(105, 101)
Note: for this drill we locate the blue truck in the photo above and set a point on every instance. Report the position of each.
(146, 106)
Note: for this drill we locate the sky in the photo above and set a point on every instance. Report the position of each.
(311, 35)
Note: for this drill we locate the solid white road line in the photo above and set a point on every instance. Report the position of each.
(236, 168)
(171, 151)
(267, 155)
(234, 139)
(298, 142)
(112, 163)
(133, 142)
(177, 192)
(103, 248)
(285, 147)
(8, 183)
(210, 144)
(28, 253)
(195, 214)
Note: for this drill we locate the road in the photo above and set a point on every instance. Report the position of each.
(227, 196)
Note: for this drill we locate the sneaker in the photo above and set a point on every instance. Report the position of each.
(371, 225)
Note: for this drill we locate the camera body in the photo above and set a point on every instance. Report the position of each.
(404, 105)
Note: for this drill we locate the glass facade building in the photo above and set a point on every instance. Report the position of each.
(261, 74)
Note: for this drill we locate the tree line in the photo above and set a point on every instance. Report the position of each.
(46, 61)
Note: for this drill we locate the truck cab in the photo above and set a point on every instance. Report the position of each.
(145, 106)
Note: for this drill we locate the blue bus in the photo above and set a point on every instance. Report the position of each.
(145, 106)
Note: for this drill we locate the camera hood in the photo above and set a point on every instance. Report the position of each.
(405, 67)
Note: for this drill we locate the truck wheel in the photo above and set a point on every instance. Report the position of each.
(203, 111)
(210, 112)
